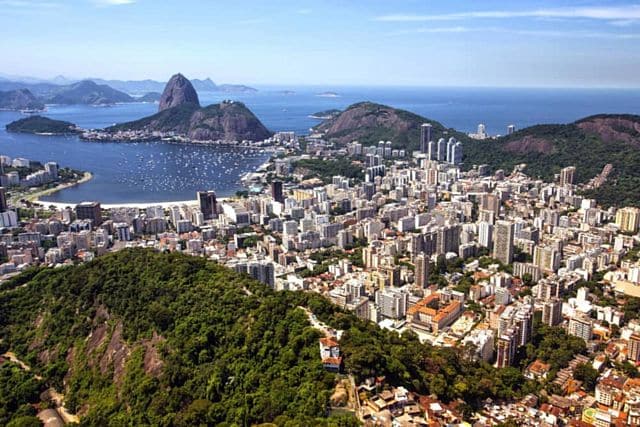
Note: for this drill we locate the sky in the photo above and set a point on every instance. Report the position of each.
(521, 43)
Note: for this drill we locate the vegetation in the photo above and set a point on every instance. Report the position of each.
(18, 390)
(326, 114)
(587, 374)
(327, 169)
(368, 123)
(552, 345)
(40, 124)
(176, 118)
(546, 149)
(146, 338)
(216, 121)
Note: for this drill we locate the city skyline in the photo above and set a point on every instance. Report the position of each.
(408, 43)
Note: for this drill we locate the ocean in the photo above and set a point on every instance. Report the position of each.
(160, 172)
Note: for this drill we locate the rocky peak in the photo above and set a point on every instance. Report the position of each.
(178, 91)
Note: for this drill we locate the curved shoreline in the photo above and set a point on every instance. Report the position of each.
(138, 205)
(35, 197)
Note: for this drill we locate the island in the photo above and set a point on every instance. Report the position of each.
(40, 125)
(328, 94)
(325, 115)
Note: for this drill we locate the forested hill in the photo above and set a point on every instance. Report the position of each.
(145, 338)
(368, 123)
(588, 144)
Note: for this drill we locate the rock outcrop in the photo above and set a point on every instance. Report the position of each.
(180, 114)
(178, 91)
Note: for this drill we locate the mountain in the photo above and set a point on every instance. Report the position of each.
(588, 144)
(19, 99)
(369, 123)
(178, 91)
(229, 88)
(87, 92)
(37, 89)
(139, 337)
(142, 86)
(149, 97)
(133, 86)
(206, 85)
(227, 121)
(42, 125)
(180, 113)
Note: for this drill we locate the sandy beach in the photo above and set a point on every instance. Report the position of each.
(139, 205)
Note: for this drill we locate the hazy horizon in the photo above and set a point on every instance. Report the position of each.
(409, 43)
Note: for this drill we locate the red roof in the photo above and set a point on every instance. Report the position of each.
(328, 342)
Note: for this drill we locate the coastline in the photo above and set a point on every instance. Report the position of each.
(138, 205)
(35, 197)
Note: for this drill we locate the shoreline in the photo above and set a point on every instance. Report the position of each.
(35, 197)
(138, 205)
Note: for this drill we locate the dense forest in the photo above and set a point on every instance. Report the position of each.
(145, 338)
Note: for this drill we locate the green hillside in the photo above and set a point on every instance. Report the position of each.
(588, 144)
(368, 123)
(40, 124)
(144, 338)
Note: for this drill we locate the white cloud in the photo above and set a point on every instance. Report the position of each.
(113, 2)
(523, 32)
(612, 13)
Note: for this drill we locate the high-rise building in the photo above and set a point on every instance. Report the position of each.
(422, 271)
(567, 175)
(208, 204)
(628, 219)
(456, 153)
(432, 151)
(425, 137)
(450, 143)
(442, 150)
(506, 348)
(276, 191)
(89, 210)
(3, 199)
(52, 169)
(482, 131)
(392, 303)
(503, 242)
(580, 327)
(633, 352)
(552, 312)
(490, 202)
(485, 234)
(511, 129)
(547, 258)
(448, 239)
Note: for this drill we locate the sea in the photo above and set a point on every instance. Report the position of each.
(163, 172)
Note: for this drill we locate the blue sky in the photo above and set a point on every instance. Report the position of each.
(333, 42)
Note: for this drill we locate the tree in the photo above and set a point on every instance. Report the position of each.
(587, 374)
